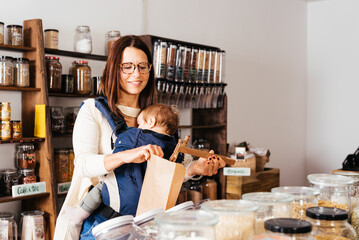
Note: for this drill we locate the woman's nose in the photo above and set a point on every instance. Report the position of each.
(136, 72)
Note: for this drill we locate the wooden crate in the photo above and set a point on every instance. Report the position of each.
(262, 181)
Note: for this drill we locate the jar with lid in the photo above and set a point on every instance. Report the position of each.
(146, 222)
(209, 189)
(57, 120)
(95, 85)
(32, 225)
(51, 38)
(71, 114)
(71, 158)
(271, 205)
(67, 83)
(22, 75)
(330, 223)
(194, 191)
(192, 224)
(354, 189)
(294, 229)
(83, 39)
(10, 179)
(5, 111)
(189, 205)
(61, 165)
(115, 228)
(25, 156)
(14, 35)
(5, 130)
(111, 37)
(16, 130)
(27, 176)
(2, 33)
(334, 190)
(54, 73)
(236, 218)
(82, 78)
(6, 71)
(303, 197)
(8, 226)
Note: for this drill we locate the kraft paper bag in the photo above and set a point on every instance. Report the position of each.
(161, 185)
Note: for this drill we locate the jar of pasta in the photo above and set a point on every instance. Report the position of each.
(334, 190)
(294, 229)
(236, 218)
(303, 197)
(54, 73)
(27, 176)
(192, 224)
(6, 71)
(271, 205)
(330, 223)
(22, 75)
(14, 35)
(82, 78)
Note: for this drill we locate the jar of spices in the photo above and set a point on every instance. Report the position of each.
(1, 33)
(25, 156)
(303, 198)
(236, 218)
(67, 83)
(51, 38)
(146, 221)
(5, 130)
(82, 78)
(83, 39)
(209, 189)
(115, 228)
(6, 71)
(5, 111)
(14, 35)
(294, 229)
(8, 226)
(195, 191)
(10, 179)
(61, 165)
(330, 223)
(111, 37)
(21, 76)
(27, 176)
(54, 73)
(32, 225)
(71, 158)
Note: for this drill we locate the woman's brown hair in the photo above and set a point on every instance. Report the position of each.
(110, 83)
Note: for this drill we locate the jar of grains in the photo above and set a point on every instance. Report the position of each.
(10, 179)
(6, 71)
(271, 205)
(1, 33)
(61, 165)
(330, 223)
(27, 176)
(51, 38)
(146, 221)
(192, 224)
(304, 197)
(16, 130)
(25, 156)
(5, 111)
(83, 39)
(54, 73)
(22, 76)
(334, 190)
(294, 229)
(82, 78)
(14, 35)
(111, 37)
(236, 218)
(5, 130)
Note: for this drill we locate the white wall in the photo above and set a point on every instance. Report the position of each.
(333, 73)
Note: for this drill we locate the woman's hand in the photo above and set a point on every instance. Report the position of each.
(206, 167)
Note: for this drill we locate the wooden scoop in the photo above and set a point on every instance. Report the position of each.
(181, 147)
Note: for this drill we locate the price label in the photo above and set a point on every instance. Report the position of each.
(234, 171)
(63, 187)
(28, 189)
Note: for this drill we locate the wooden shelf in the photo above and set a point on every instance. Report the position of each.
(71, 95)
(22, 89)
(65, 135)
(23, 140)
(75, 54)
(202, 126)
(16, 48)
(12, 199)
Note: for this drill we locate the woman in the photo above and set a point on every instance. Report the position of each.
(128, 84)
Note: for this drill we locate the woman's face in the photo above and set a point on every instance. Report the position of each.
(133, 83)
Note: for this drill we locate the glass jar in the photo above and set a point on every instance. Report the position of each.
(16, 130)
(295, 229)
(57, 120)
(6, 71)
(236, 218)
(21, 70)
(182, 196)
(27, 176)
(83, 39)
(67, 83)
(32, 225)
(334, 190)
(14, 35)
(71, 114)
(304, 197)
(54, 73)
(5, 111)
(146, 221)
(82, 78)
(192, 224)
(271, 205)
(116, 228)
(25, 156)
(194, 191)
(5, 130)
(209, 189)
(95, 84)
(354, 189)
(2, 33)
(8, 226)
(10, 179)
(111, 37)
(61, 165)
(71, 158)
(51, 38)
(330, 223)
(183, 206)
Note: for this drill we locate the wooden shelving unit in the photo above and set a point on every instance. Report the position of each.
(10, 48)
(23, 140)
(34, 196)
(75, 54)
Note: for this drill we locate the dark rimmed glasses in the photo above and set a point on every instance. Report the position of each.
(129, 68)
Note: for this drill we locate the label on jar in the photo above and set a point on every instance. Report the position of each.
(28, 189)
(233, 171)
(38, 232)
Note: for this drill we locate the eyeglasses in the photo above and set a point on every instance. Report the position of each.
(129, 68)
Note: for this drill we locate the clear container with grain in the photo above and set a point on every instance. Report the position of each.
(61, 165)
(32, 225)
(14, 35)
(271, 205)
(83, 39)
(21, 72)
(334, 190)
(51, 38)
(330, 223)
(191, 224)
(354, 189)
(304, 197)
(236, 218)
(111, 37)
(294, 229)
(146, 221)
(82, 78)
(115, 228)
(54, 73)
(6, 71)
(8, 226)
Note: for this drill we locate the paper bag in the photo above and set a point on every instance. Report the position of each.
(161, 185)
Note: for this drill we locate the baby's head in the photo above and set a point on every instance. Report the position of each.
(159, 118)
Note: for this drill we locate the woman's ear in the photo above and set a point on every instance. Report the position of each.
(152, 121)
